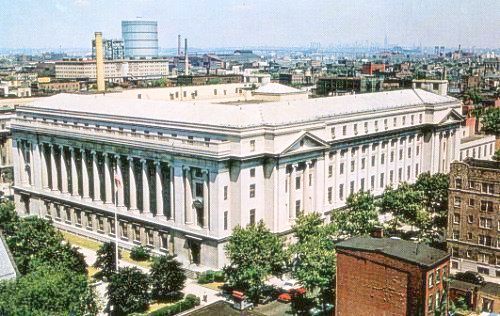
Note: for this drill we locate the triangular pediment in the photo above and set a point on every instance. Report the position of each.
(452, 117)
(305, 142)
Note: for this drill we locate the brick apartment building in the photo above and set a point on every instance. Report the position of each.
(372, 68)
(473, 220)
(383, 276)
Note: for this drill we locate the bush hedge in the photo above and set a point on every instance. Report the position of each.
(140, 253)
(210, 276)
(188, 302)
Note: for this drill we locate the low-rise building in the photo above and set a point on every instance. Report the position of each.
(473, 219)
(345, 85)
(383, 276)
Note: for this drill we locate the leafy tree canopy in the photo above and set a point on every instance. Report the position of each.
(254, 254)
(167, 278)
(359, 217)
(491, 121)
(128, 291)
(106, 260)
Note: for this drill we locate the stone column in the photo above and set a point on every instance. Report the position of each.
(159, 190)
(45, 175)
(64, 171)
(22, 163)
(32, 164)
(85, 175)
(305, 188)
(188, 194)
(206, 197)
(171, 184)
(132, 185)
(120, 188)
(145, 188)
(291, 189)
(16, 160)
(74, 173)
(107, 180)
(97, 179)
(53, 168)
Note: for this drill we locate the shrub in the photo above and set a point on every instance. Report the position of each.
(210, 276)
(187, 303)
(140, 253)
(219, 276)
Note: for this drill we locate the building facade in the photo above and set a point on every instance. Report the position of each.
(113, 49)
(193, 170)
(382, 276)
(473, 220)
(114, 70)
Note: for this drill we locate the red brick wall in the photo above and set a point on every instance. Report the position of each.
(374, 284)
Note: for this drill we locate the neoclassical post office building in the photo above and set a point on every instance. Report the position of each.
(189, 172)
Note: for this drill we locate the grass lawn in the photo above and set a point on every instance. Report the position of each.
(155, 306)
(126, 257)
(81, 241)
(213, 286)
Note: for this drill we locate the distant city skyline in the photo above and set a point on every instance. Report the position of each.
(232, 23)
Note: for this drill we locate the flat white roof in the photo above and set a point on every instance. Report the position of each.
(238, 115)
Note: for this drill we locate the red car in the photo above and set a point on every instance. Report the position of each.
(287, 297)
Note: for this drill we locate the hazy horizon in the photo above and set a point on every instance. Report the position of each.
(232, 23)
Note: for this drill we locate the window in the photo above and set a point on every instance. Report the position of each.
(199, 190)
(485, 222)
(330, 195)
(385, 124)
(394, 122)
(486, 206)
(341, 167)
(68, 215)
(472, 184)
(344, 130)
(297, 183)
(89, 220)
(297, 208)
(470, 219)
(484, 240)
(225, 192)
(341, 191)
(416, 170)
(392, 156)
(310, 179)
(332, 131)
(252, 173)
(418, 150)
(150, 239)
(225, 220)
(483, 258)
(382, 159)
(456, 218)
(487, 188)
(330, 171)
(123, 230)
(252, 145)
(431, 280)
(472, 202)
(400, 174)
(376, 125)
(404, 120)
(366, 127)
(163, 241)
(409, 152)
(483, 270)
(351, 186)
(363, 163)
(112, 227)
(458, 183)
(252, 217)
(382, 180)
(355, 129)
(372, 182)
(137, 233)
(401, 154)
(457, 201)
(391, 176)
(438, 276)
(373, 161)
(420, 118)
(408, 172)
(362, 184)
(78, 215)
(469, 236)
(455, 235)
(430, 304)
(412, 119)
(252, 190)
(353, 166)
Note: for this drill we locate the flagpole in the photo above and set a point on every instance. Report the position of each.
(116, 221)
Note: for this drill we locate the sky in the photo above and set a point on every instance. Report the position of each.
(250, 23)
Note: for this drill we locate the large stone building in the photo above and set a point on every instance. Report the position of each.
(473, 220)
(383, 276)
(193, 170)
(114, 70)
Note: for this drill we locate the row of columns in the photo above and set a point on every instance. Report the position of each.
(56, 171)
(305, 199)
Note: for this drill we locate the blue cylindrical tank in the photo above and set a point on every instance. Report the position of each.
(140, 38)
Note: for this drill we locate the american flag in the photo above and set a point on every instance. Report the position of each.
(118, 180)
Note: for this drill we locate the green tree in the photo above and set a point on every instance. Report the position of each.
(254, 254)
(496, 156)
(313, 256)
(48, 291)
(128, 291)
(106, 260)
(167, 278)
(8, 217)
(359, 217)
(35, 240)
(435, 190)
(491, 121)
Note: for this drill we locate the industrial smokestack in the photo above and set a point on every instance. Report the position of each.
(99, 58)
(179, 45)
(186, 59)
